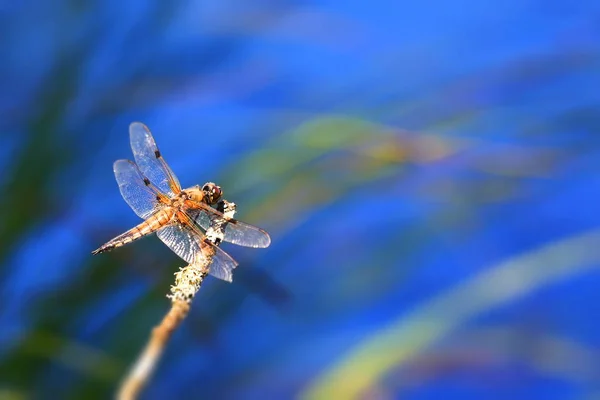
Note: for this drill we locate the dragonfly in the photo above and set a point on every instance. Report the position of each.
(178, 216)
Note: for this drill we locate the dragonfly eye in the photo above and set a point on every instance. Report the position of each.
(207, 188)
(212, 192)
(217, 193)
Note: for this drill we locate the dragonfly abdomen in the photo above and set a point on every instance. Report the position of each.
(152, 224)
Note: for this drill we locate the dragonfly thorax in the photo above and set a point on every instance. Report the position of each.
(209, 194)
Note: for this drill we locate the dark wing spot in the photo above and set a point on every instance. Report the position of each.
(157, 154)
(158, 198)
(146, 181)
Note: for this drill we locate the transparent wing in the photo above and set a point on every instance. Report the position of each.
(192, 248)
(234, 231)
(141, 198)
(150, 161)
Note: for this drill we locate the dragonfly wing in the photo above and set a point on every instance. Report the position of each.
(141, 198)
(236, 232)
(222, 265)
(148, 158)
(180, 241)
(192, 248)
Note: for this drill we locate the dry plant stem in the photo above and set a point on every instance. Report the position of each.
(149, 357)
(187, 284)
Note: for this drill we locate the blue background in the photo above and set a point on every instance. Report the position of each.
(428, 172)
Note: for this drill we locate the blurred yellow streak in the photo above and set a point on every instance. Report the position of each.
(549, 354)
(376, 140)
(13, 394)
(77, 356)
(410, 334)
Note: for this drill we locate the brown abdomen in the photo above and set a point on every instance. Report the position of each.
(151, 225)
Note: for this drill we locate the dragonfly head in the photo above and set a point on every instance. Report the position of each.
(212, 192)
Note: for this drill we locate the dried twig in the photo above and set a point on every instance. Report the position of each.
(187, 283)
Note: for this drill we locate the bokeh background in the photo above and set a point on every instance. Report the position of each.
(428, 171)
